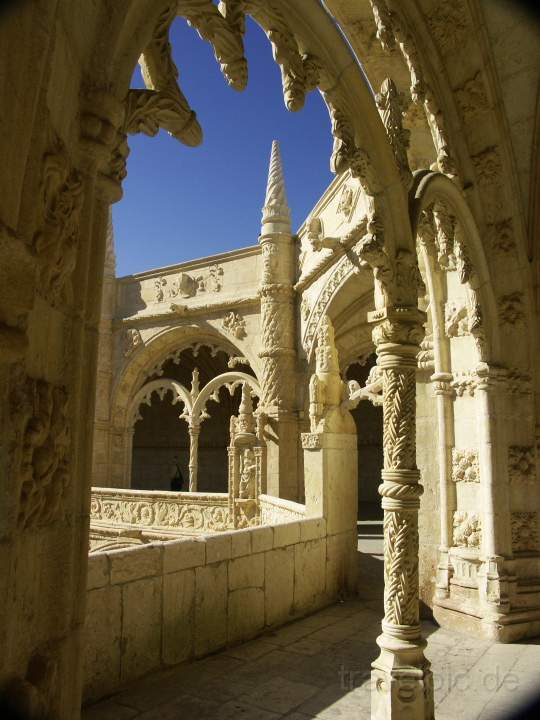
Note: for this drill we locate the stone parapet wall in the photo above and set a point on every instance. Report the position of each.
(166, 602)
(278, 510)
(169, 511)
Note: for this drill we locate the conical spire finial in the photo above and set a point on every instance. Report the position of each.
(276, 208)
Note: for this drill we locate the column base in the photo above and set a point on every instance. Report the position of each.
(401, 678)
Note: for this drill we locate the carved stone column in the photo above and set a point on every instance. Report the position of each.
(402, 681)
(194, 430)
(495, 582)
(447, 490)
(278, 340)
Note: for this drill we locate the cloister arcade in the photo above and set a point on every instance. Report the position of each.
(421, 251)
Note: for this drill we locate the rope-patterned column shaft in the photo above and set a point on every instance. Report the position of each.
(194, 431)
(278, 353)
(401, 674)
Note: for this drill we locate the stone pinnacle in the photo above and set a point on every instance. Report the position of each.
(276, 208)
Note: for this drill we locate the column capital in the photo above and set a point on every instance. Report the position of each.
(398, 330)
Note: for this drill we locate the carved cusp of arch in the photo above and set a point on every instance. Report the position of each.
(231, 380)
(160, 387)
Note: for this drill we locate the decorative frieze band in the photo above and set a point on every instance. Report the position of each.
(311, 441)
(156, 510)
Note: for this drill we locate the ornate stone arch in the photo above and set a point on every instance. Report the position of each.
(149, 355)
(231, 380)
(160, 387)
(433, 188)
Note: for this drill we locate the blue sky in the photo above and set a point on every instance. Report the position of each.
(182, 203)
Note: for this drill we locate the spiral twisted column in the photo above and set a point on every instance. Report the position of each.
(402, 682)
(278, 335)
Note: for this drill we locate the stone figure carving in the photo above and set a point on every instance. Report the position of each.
(247, 475)
(456, 319)
(214, 280)
(246, 458)
(159, 292)
(234, 324)
(326, 388)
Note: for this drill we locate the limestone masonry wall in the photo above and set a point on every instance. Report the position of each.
(166, 602)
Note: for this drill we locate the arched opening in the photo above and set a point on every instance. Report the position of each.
(160, 446)
(369, 429)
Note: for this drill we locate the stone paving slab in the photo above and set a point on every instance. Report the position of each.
(319, 667)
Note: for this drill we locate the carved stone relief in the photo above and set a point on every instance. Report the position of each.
(305, 308)
(456, 319)
(426, 355)
(131, 340)
(346, 202)
(39, 411)
(180, 511)
(465, 467)
(471, 97)
(186, 286)
(488, 166)
(234, 324)
(390, 107)
(521, 463)
(511, 308)
(467, 529)
(524, 531)
(450, 24)
(56, 241)
(501, 236)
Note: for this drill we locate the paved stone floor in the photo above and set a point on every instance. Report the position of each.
(318, 667)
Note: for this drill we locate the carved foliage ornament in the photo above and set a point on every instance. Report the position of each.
(521, 463)
(223, 28)
(399, 392)
(56, 241)
(524, 531)
(400, 568)
(465, 467)
(391, 110)
(39, 412)
(467, 529)
(162, 104)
